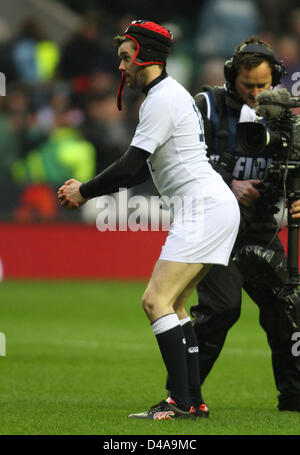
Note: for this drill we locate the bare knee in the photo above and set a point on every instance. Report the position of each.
(147, 303)
(155, 306)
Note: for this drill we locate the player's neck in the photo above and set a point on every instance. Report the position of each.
(151, 73)
(155, 78)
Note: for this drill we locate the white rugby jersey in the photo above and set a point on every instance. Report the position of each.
(171, 129)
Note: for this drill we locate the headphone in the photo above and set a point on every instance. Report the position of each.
(278, 68)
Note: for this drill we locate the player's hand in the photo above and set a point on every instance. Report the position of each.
(69, 195)
(295, 209)
(245, 191)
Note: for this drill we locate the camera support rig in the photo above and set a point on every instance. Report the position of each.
(293, 194)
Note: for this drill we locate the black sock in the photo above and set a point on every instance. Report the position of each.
(193, 363)
(172, 347)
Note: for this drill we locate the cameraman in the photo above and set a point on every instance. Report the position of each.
(252, 68)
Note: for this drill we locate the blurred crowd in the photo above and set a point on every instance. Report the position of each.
(59, 117)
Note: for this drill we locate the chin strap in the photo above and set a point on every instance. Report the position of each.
(120, 92)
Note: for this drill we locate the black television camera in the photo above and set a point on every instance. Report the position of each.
(279, 128)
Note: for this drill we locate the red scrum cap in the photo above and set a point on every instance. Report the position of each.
(153, 43)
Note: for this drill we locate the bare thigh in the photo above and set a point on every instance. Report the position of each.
(170, 283)
(179, 305)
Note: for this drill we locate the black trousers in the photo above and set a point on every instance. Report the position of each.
(219, 305)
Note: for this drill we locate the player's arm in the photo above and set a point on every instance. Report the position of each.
(130, 170)
(201, 103)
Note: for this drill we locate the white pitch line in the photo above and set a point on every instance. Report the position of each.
(98, 344)
(120, 345)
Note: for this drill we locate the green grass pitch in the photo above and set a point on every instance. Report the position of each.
(81, 356)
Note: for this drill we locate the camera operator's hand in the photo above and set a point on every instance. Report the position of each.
(245, 191)
(295, 209)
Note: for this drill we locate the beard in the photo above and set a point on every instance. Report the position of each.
(136, 80)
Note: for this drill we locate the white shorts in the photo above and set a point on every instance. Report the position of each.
(205, 225)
